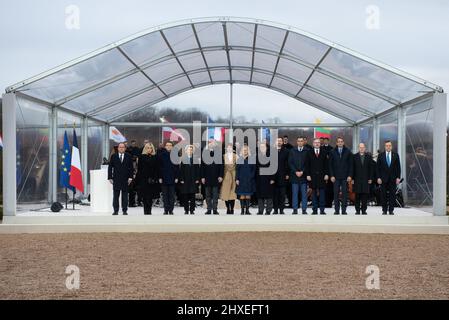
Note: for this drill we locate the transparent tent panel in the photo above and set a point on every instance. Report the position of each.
(210, 34)
(265, 61)
(331, 105)
(304, 48)
(240, 58)
(176, 85)
(348, 93)
(285, 85)
(79, 76)
(293, 70)
(241, 75)
(128, 105)
(220, 75)
(192, 61)
(216, 58)
(240, 34)
(262, 78)
(269, 38)
(109, 93)
(198, 78)
(371, 76)
(181, 38)
(146, 48)
(163, 70)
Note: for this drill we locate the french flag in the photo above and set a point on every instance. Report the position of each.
(76, 175)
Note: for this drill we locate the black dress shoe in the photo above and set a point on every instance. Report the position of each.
(314, 212)
(171, 213)
(192, 212)
(391, 213)
(295, 211)
(115, 213)
(364, 213)
(186, 212)
(357, 212)
(304, 211)
(267, 213)
(165, 212)
(259, 212)
(322, 212)
(125, 213)
(282, 212)
(216, 212)
(384, 213)
(336, 213)
(344, 213)
(208, 212)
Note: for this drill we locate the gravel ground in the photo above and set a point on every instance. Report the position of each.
(257, 265)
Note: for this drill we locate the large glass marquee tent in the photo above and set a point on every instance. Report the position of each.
(130, 77)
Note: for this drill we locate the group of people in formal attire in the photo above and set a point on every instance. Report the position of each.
(304, 170)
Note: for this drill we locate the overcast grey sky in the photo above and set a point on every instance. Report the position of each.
(412, 35)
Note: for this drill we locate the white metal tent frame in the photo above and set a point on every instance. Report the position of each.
(195, 53)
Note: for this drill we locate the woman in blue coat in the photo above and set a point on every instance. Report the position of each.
(245, 178)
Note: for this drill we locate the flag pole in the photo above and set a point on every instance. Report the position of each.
(66, 198)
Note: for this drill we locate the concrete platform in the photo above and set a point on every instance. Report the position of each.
(405, 221)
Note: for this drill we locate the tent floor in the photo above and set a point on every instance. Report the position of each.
(405, 221)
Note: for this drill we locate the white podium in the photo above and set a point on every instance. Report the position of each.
(100, 191)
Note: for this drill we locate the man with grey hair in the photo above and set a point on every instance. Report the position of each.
(363, 175)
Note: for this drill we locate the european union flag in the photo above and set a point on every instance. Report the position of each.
(65, 164)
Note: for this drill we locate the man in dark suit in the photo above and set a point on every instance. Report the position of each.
(340, 170)
(388, 177)
(168, 173)
(120, 174)
(363, 175)
(317, 175)
(307, 145)
(297, 162)
(211, 177)
(281, 177)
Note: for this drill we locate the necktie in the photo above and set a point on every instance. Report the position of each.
(388, 158)
(300, 149)
(339, 151)
(317, 152)
(121, 158)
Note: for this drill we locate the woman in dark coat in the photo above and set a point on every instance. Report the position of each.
(245, 179)
(147, 176)
(189, 179)
(264, 182)
(363, 177)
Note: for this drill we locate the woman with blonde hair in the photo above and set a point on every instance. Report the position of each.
(227, 192)
(245, 178)
(147, 176)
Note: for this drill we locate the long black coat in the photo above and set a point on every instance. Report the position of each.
(189, 176)
(148, 169)
(297, 161)
(264, 188)
(317, 168)
(340, 167)
(363, 173)
(120, 172)
(283, 169)
(211, 172)
(168, 171)
(246, 175)
(388, 174)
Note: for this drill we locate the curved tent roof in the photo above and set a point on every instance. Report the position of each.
(164, 61)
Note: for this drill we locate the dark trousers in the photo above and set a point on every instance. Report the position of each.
(168, 196)
(212, 197)
(188, 200)
(363, 199)
(132, 194)
(296, 189)
(322, 199)
(388, 196)
(343, 184)
(147, 203)
(289, 195)
(279, 197)
(124, 200)
(263, 203)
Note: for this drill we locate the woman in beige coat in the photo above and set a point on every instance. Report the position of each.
(227, 193)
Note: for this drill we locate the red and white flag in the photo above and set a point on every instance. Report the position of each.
(170, 133)
(76, 175)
